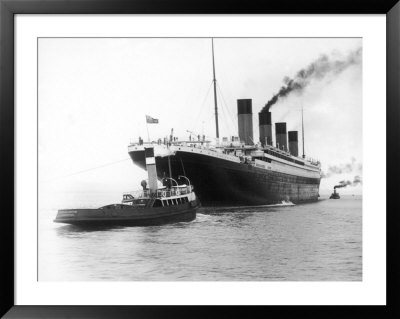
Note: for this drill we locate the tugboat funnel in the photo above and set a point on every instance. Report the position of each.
(151, 169)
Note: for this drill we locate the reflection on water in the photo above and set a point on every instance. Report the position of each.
(67, 229)
(320, 241)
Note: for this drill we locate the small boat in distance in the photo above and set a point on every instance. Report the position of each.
(150, 206)
(335, 195)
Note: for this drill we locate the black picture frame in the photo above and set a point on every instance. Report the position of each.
(8, 8)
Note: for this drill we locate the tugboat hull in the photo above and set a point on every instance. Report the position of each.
(126, 215)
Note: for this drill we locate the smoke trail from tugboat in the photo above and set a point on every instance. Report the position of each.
(355, 182)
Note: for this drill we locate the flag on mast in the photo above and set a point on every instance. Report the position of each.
(151, 120)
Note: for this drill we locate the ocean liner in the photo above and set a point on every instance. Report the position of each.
(236, 171)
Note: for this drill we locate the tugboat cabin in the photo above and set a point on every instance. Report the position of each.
(176, 195)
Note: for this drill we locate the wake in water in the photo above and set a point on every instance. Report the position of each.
(283, 203)
(218, 209)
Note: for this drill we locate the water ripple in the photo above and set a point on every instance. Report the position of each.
(313, 242)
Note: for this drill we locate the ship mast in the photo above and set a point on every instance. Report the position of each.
(302, 128)
(215, 91)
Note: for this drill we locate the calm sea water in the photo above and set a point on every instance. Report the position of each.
(312, 242)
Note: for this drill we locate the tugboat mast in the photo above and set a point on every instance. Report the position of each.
(215, 91)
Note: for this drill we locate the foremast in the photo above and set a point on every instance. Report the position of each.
(215, 91)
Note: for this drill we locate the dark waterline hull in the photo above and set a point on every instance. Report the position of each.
(128, 216)
(220, 182)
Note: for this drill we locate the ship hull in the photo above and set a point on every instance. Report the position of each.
(129, 216)
(218, 182)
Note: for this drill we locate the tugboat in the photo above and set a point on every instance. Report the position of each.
(150, 206)
(334, 195)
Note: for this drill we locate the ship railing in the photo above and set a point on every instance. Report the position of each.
(167, 142)
(142, 142)
(163, 192)
(313, 161)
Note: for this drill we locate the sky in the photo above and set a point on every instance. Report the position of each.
(94, 95)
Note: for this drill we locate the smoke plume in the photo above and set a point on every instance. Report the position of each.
(355, 182)
(317, 70)
(347, 168)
